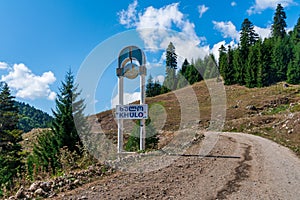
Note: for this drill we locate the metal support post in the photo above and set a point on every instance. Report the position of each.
(142, 121)
(120, 121)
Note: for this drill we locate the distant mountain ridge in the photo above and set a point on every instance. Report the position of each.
(30, 117)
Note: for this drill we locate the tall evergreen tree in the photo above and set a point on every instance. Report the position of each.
(171, 56)
(170, 82)
(181, 76)
(10, 138)
(248, 37)
(222, 60)
(68, 122)
(152, 88)
(279, 24)
(281, 56)
(293, 72)
(251, 67)
(265, 75)
(63, 125)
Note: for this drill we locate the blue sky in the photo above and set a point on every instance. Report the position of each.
(41, 40)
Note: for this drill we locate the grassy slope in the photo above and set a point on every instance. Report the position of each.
(274, 114)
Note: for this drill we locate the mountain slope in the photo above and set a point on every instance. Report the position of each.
(272, 112)
(30, 117)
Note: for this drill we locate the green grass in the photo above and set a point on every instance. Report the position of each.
(276, 110)
(295, 108)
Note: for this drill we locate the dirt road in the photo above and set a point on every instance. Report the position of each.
(222, 166)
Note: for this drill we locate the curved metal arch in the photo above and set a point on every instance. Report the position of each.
(131, 53)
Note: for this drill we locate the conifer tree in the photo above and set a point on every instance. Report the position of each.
(251, 67)
(170, 82)
(265, 75)
(248, 37)
(68, 121)
(10, 138)
(63, 125)
(181, 76)
(293, 73)
(279, 24)
(152, 88)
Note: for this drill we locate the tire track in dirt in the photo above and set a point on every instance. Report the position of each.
(241, 173)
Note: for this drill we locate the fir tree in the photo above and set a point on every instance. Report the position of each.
(279, 24)
(170, 82)
(10, 137)
(251, 67)
(281, 56)
(248, 37)
(293, 73)
(181, 76)
(63, 125)
(171, 57)
(152, 88)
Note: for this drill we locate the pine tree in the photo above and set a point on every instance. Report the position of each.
(293, 73)
(69, 121)
(63, 125)
(279, 24)
(251, 67)
(170, 82)
(248, 37)
(296, 33)
(222, 60)
(171, 56)
(181, 76)
(238, 67)
(281, 56)
(152, 88)
(265, 75)
(149, 86)
(10, 137)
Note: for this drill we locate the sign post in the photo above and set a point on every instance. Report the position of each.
(126, 68)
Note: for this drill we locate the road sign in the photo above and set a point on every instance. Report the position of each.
(134, 111)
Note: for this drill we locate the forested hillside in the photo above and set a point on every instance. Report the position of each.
(30, 117)
(253, 62)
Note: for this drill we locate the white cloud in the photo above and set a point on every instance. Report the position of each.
(263, 32)
(128, 17)
(155, 28)
(3, 65)
(28, 85)
(233, 4)
(128, 98)
(216, 47)
(159, 78)
(202, 9)
(261, 5)
(227, 29)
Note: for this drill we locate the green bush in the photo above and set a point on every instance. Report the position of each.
(133, 142)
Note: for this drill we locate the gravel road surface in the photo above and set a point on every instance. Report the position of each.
(222, 166)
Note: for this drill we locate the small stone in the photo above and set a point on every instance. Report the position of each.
(40, 192)
(34, 186)
(20, 194)
(76, 182)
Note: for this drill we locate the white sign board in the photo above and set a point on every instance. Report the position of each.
(134, 111)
